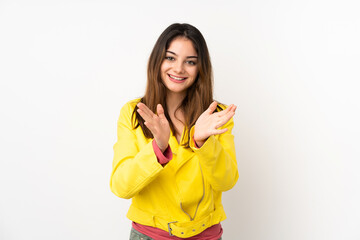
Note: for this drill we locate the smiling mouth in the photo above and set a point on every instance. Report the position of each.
(178, 79)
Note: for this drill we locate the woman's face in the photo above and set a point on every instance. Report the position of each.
(179, 69)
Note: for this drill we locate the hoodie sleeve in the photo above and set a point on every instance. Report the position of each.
(218, 159)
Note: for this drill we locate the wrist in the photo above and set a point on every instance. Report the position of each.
(162, 149)
(162, 145)
(199, 143)
(197, 140)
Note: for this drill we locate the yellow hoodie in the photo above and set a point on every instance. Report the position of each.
(184, 196)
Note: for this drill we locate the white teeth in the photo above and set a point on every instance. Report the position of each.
(176, 78)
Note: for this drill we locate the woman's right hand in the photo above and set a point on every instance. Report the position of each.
(157, 124)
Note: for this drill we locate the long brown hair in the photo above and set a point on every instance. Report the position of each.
(198, 96)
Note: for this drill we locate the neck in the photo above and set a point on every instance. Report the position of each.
(173, 100)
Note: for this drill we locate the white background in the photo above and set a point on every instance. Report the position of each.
(292, 67)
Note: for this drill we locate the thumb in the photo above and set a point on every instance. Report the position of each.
(160, 111)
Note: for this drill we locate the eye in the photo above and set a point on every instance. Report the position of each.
(169, 58)
(191, 62)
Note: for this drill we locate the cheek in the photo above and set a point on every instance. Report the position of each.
(163, 70)
(164, 67)
(195, 72)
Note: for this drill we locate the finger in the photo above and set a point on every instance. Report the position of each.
(234, 108)
(212, 107)
(145, 109)
(228, 109)
(144, 115)
(150, 127)
(219, 131)
(160, 111)
(224, 119)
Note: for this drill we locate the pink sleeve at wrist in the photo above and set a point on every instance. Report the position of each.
(162, 157)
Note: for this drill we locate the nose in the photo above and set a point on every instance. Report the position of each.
(178, 67)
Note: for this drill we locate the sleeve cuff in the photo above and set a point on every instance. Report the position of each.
(162, 157)
(194, 142)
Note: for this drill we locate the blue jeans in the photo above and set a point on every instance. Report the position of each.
(135, 235)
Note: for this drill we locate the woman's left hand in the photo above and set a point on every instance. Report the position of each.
(209, 122)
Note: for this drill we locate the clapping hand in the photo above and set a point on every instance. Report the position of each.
(209, 122)
(157, 124)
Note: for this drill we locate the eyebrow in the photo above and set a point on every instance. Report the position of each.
(176, 54)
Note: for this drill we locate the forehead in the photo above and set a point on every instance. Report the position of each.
(182, 46)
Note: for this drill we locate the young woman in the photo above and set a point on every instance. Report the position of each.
(175, 153)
